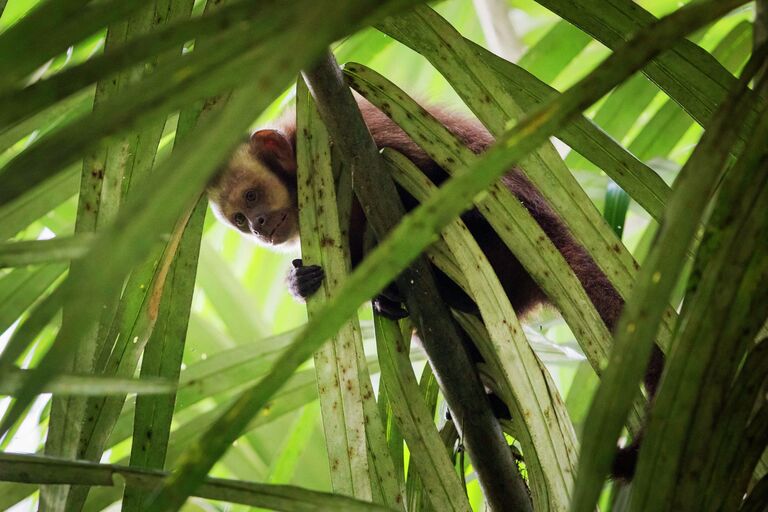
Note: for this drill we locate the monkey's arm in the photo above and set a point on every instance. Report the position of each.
(305, 280)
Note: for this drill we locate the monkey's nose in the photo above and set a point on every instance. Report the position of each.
(258, 224)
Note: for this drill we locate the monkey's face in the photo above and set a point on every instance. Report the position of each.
(256, 191)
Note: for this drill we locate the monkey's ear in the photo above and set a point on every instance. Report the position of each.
(273, 147)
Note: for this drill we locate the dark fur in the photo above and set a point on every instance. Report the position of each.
(522, 291)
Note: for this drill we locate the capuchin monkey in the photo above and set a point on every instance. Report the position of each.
(255, 193)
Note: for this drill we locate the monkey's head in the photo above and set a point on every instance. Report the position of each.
(255, 192)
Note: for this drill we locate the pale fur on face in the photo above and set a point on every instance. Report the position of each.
(245, 172)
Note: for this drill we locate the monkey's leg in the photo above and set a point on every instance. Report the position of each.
(625, 460)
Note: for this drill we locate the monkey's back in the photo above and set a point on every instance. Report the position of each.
(521, 289)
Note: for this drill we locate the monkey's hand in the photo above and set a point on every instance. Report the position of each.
(389, 303)
(304, 280)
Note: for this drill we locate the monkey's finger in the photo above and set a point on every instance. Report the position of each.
(302, 291)
(307, 289)
(310, 281)
(309, 270)
(299, 267)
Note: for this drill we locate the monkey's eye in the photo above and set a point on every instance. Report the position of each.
(250, 195)
(239, 220)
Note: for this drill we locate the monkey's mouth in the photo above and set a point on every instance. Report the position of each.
(276, 229)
